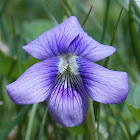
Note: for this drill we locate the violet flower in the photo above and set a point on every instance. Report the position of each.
(66, 75)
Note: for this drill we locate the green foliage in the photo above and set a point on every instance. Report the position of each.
(77, 130)
(36, 27)
(4, 69)
(133, 98)
(135, 112)
(32, 18)
(14, 122)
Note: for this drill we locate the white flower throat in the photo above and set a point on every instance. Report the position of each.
(68, 75)
(68, 64)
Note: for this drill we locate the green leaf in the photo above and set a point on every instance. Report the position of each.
(77, 129)
(134, 112)
(36, 27)
(133, 98)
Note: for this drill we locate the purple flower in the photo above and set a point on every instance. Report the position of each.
(66, 75)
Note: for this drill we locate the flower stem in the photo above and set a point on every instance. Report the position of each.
(91, 118)
(29, 129)
(98, 121)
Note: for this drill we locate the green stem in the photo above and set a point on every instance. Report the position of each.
(29, 129)
(63, 5)
(69, 7)
(98, 122)
(93, 119)
(42, 125)
(87, 16)
(119, 123)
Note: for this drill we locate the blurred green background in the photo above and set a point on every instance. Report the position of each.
(21, 21)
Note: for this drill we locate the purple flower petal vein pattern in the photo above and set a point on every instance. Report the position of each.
(67, 74)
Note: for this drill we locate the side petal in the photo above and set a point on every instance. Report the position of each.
(86, 47)
(68, 103)
(55, 41)
(103, 85)
(35, 84)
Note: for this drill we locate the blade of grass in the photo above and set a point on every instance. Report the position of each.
(92, 20)
(15, 41)
(69, 7)
(18, 118)
(65, 9)
(29, 129)
(42, 125)
(106, 63)
(102, 40)
(136, 8)
(51, 16)
(112, 40)
(127, 9)
(50, 11)
(105, 20)
(87, 15)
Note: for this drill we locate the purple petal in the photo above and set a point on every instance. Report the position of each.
(86, 47)
(103, 85)
(35, 84)
(68, 103)
(55, 41)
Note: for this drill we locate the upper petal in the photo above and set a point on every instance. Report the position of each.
(55, 41)
(68, 102)
(86, 47)
(35, 84)
(103, 85)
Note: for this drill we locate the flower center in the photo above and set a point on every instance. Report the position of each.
(68, 64)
